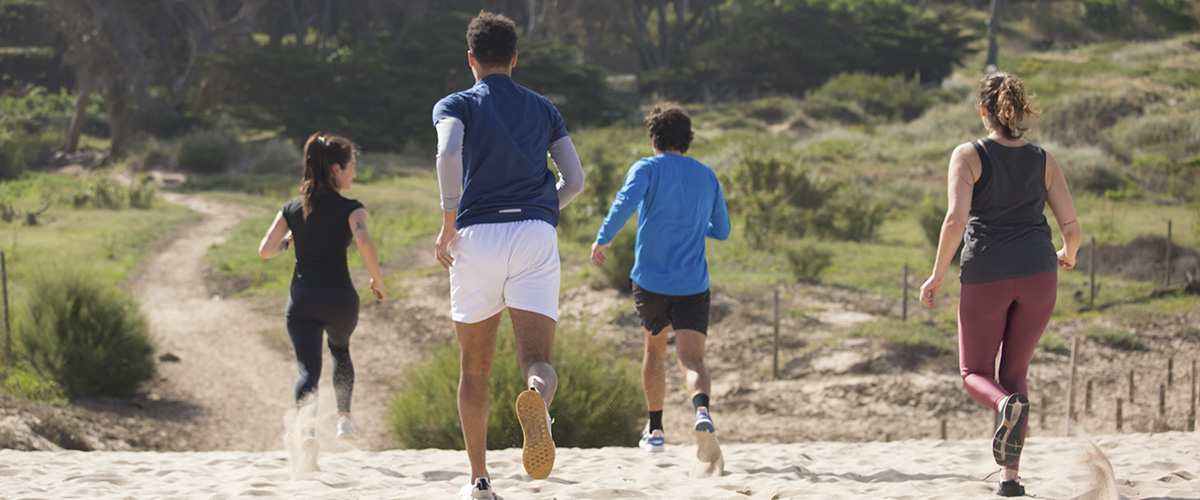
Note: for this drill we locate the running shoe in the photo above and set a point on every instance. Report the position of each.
(707, 449)
(652, 442)
(481, 489)
(537, 454)
(1011, 488)
(1006, 445)
(346, 429)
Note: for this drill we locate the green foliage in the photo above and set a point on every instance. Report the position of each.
(1053, 344)
(398, 83)
(1128, 191)
(208, 151)
(1112, 337)
(23, 382)
(808, 261)
(1089, 169)
(931, 215)
(12, 155)
(620, 257)
(775, 198)
(857, 98)
(1162, 130)
(276, 156)
(102, 192)
(1082, 118)
(1175, 16)
(86, 335)
(141, 196)
(598, 403)
(910, 334)
(790, 46)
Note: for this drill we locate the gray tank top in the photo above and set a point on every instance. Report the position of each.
(1007, 235)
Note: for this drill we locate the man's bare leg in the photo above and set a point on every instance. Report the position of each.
(477, 342)
(654, 373)
(535, 344)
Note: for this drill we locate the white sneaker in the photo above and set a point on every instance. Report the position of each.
(346, 429)
(481, 489)
(652, 442)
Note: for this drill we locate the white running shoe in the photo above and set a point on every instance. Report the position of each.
(481, 489)
(652, 442)
(346, 429)
(706, 437)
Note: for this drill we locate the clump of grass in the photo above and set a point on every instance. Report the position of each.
(1052, 343)
(808, 261)
(909, 333)
(23, 382)
(1116, 338)
(598, 403)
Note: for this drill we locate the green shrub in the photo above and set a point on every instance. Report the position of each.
(909, 333)
(208, 152)
(23, 382)
(1083, 118)
(277, 156)
(620, 256)
(1161, 130)
(598, 403)
(1128, 191)
(861, 98)
(101, 192)
(86, 335)
(1089, 169)
(1112, 337)
(12, 156)
(931, 215)
(1053, 343)
(808, 261)
(141, 196)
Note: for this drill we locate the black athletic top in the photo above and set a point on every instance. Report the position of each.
(321, 241)
(1007, 235)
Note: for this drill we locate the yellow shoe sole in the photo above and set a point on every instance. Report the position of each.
(538, 453)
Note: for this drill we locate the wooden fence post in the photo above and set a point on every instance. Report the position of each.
(1130, 386)
(1168, 260)
(1092, 275)
(775, 356)
(1162, 400)
(1087, 399)
(8, 359)
(1071, 388)
(1170, 371)
(904, 301)
(1120, 412)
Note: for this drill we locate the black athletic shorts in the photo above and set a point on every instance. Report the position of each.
(682, 312)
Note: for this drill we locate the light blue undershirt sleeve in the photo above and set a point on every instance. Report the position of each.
(450, 161)
(718, 224)
(570, 170)
(625, 204)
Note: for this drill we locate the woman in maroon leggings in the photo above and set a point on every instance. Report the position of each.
(998, 188)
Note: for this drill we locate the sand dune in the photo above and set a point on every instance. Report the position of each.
(1145, 466)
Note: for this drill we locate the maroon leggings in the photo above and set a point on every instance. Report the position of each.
(1005, 317)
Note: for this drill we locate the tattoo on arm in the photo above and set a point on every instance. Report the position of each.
(283, 245)
(1073, 221)
(359, 226)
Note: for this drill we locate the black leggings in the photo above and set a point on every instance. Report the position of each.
(312, 311)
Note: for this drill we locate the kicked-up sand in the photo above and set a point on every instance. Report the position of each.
(1143, 466)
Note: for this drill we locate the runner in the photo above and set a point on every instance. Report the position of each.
(998, 189)
(320, 224)
(679, 202)
(500, 208)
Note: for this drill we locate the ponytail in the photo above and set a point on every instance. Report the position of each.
(321, 154)
(1007, 104)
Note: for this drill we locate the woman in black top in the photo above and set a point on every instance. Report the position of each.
(998, 189)
(320, 224)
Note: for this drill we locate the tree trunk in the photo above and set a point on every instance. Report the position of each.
(116, 103)
(76, 127)
(993, 24)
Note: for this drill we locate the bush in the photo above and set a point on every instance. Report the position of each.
(1120, 339)
(141, 196)
(86, 335)
(1088, 168)
(23, 382)
(1082, 119)
(12, 157)
(808, 261)
(208, 152)
(1159, 131)
(862, 98)
(277, 156)
(615, 271)
(598, 403)
(931, 215)
(100, 192)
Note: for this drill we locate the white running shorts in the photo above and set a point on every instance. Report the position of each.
(509, 264)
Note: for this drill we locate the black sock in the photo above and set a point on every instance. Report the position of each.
(656, 421)
(699, 400)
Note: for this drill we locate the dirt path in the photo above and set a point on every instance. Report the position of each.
(233, 385)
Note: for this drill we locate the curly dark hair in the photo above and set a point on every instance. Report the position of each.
(492, 39)
(1007, 103)
(669, 127)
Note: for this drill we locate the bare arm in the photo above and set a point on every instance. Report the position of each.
(277, 239)
(963, 173)
(366, 249)
(1058, 196)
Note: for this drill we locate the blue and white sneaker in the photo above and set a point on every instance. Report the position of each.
(652, 442)
(707, 449)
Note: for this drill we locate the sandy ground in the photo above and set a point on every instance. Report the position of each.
(1158, 466)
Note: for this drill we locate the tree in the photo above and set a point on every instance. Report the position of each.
(993, 24)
